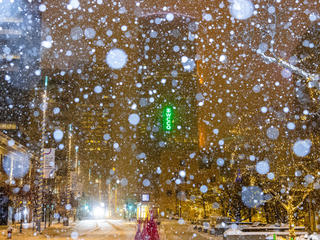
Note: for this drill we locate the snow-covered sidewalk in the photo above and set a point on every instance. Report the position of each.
(173, 230)
(29, 232)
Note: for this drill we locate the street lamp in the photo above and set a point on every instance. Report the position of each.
(68, 206)
(40, 182)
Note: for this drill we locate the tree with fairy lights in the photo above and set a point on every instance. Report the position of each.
(285, 164)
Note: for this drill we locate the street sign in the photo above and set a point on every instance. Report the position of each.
(8, 126)
(49, 163)
(145, 197)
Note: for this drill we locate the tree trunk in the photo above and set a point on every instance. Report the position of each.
(311, 216)
(292, 233)
(224, 210)
(204, 208)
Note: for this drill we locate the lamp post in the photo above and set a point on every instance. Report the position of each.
(68, 206)
(41, 169)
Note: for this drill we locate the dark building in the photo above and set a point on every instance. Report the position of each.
(166, 96)
(80, 98)
(169, 82)
(17, 171)
(20, 39)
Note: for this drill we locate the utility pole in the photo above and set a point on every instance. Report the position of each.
(41, 172)
(68, 206)
(115, 199)
(99, 188)
(109, 198)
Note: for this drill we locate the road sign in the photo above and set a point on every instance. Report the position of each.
(8, 126)
(49, 163)
(145, 197)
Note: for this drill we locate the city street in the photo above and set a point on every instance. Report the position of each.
(201, 115)
(111, 229)
(97, 229)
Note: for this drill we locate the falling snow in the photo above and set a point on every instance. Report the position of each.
(119, 115)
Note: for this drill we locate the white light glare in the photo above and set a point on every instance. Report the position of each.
(98, 212)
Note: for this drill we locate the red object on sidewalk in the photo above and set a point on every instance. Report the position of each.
(138, 234)
(9, 236)
(145, 234)
(149, 231)
(152, 229)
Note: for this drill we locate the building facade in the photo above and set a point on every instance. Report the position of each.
(20, 37)
(168, 85)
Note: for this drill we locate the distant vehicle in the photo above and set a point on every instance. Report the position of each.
(201, 225)
(218, 220)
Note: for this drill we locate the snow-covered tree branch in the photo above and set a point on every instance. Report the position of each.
(310, 77)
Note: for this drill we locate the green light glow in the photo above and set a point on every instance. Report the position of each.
(46, 81)
(167, 118)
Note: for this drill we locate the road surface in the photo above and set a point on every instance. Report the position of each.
(108, 229)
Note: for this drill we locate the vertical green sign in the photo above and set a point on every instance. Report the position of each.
(46, 81)
(167, 118)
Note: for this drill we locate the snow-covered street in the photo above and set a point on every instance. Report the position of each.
(85, 229)
(110, 229)
(159, 119)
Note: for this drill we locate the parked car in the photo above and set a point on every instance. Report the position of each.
(206, 226)
(201, 225)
